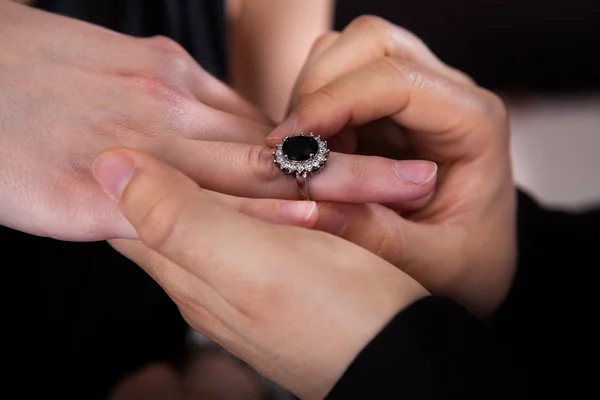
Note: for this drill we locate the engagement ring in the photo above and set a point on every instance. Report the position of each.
(302, 156)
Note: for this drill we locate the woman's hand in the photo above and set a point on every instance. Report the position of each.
(296, 304)
(381, 91)
(70, 89)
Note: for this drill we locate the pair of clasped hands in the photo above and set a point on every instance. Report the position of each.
(140, 146)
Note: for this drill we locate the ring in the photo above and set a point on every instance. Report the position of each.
(302, 156)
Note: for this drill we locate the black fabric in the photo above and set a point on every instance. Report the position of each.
(540, 343)
(505, 45)
(198, 25)
(86, 316)
(432, 350)
(94, 317)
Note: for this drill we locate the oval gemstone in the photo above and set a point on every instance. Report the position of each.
(300, 148)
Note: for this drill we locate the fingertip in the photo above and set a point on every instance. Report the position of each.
(300, 213)
(286, 128)
(416, 172)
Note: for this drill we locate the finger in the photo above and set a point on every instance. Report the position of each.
(249, 171)
(285, 212)
(216, 94)
(363, 41)
(410, 206)
(426, 252)
(436, 110)
(173, 217)
(321, 45)
(203, 122)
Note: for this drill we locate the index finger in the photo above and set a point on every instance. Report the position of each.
(437, 111)
(365, 40)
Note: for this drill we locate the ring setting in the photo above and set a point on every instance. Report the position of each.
(302, 155)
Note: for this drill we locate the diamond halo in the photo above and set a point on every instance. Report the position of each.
(312, 165)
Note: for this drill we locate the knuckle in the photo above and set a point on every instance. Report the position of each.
(497, 107)
(494, 111)
(323, 40)
(166, 45)
(171, 58)
(157, 226)
(177, 66)
(390, 242)
(325, 94)
(153, 81)
(313, 82)
(260, 160)
(401, 70)
(308, 86)
(368, 23)
(406, 41)
(165, 70)
(461, 76)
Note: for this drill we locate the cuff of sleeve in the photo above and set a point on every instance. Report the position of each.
(432, 349)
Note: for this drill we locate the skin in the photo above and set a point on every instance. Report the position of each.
(469, 221)
(270, 40)
(72, 89)
(382, 92)
(239, 292)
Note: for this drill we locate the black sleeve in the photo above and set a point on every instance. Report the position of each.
(537, 346)
(432, 350)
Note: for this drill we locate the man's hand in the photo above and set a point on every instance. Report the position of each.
(381, 91)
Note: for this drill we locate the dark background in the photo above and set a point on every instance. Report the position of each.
(506, 45)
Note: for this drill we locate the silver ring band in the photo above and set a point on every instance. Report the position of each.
(302, 181)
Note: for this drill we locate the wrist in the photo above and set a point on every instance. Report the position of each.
(371, 329)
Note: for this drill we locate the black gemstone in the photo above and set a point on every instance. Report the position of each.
(300, 148)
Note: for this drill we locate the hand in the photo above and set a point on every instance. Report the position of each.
(250, 285)
(71, 89)
(462, 243)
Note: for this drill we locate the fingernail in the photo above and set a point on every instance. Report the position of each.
(415, 171)
(332, 220)
(286, 128)
(113, 170)
(299, 212)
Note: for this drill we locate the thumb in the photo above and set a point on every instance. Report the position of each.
(112, 170)
(174, 217)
